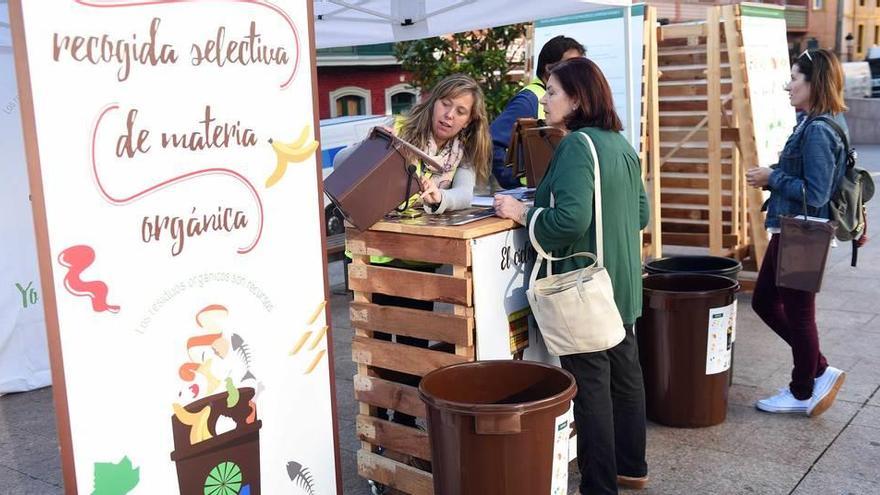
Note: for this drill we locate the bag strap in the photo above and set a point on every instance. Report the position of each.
(543, 255)
(597, 196)
(850, 162)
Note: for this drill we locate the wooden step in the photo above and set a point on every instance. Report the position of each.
(703, 153)
(689, 175)
(673, 166)
(688, 191)
(686, 90)
(686, 50)
(691, 196)
(685, 206)
(675, 215)
(694, 144)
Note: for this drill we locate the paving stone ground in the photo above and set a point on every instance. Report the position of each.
(750, 453)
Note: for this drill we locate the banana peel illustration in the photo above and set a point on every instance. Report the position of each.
(295, 151)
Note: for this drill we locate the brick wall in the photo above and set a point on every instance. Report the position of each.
(374, 79)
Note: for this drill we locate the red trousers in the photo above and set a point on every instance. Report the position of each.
(792, 315)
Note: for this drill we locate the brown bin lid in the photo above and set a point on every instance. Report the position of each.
(497, 387)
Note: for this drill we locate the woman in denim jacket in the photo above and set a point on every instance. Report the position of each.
(812, 164)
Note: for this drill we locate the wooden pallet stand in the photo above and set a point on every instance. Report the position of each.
(706, 139)
(406, 452)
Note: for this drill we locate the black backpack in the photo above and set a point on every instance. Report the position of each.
(847, 203)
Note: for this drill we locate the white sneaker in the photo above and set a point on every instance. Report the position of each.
(783, 402)
(825, 390)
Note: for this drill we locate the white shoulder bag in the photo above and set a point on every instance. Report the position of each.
(575, 311)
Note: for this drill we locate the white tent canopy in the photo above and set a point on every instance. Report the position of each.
(366, 22)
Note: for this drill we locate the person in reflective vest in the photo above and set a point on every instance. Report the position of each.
(526, 104)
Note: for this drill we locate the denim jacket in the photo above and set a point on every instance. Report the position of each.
(813, 160)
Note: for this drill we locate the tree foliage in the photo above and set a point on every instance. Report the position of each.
(482, 54)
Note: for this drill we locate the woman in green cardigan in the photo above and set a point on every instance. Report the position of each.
(609, 407)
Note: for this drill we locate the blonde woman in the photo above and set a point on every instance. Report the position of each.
(451, 126)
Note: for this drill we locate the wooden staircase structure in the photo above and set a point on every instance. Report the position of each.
(701, 83)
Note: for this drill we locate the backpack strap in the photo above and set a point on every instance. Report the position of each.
(850, 161)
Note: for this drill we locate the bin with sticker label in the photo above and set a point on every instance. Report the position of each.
(685, 335)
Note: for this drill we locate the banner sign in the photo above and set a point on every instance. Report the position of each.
(24, 359)
(171, 149)
(769, 70)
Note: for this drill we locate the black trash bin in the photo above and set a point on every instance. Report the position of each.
(684, 334)
(707, 265)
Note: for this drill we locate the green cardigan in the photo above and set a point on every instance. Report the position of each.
(568, 227)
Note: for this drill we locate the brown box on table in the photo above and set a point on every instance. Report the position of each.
(532, 145)
(377, 177)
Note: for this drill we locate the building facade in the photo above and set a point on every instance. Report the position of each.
(850, 28)
(362, 80)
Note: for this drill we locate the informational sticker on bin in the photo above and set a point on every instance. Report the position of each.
(172, 159)
(721, 335)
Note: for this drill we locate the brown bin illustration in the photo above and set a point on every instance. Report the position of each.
(375, 178)
(224, 464)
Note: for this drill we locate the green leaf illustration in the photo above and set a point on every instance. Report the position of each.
(115, 479)
(232, 399)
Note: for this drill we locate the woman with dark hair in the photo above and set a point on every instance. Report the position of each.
(609, 407)
(810, 168)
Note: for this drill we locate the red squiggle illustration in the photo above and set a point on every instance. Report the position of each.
(76, 259)
(261, 3)
(174, 180)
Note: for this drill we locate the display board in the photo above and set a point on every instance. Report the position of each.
(177, 198)
(614, 40)
(767, 63)
(502, 263)
(24, 359)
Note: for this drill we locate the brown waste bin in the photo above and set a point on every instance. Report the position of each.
(226, 461)
(685, 335)
(498, 427)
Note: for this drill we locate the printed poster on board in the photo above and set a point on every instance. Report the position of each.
(171, 147)
(767, 63)
(615, 47)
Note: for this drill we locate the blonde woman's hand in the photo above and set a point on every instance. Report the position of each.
(431, 194)
(758, 176)
(508, 207)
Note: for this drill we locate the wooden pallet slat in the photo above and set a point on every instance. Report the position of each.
(399, 438)
(388, 394)
(394, 474)
(410, 283)
(429, 325)
(428, 249)
(400, 357)
(713, 76)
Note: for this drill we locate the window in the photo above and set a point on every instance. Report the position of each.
(877, 35)
(860, 39)
(401, 102)
(350, 100)
(400, 98)
(819, 4)
(861, 3)
(350, 105)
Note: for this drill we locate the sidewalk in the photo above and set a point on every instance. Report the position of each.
(750, 453)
